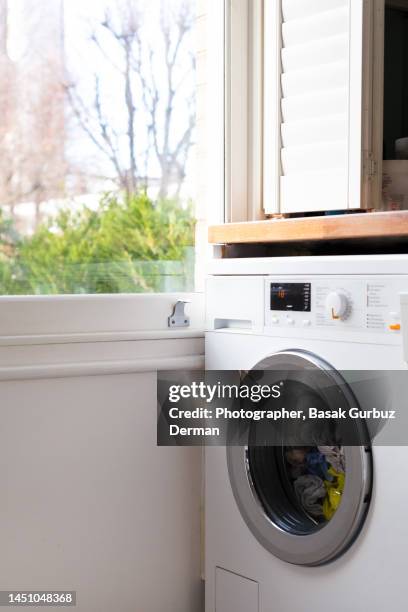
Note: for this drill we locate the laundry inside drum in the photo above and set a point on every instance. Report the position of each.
(299, 487)
(317, 476)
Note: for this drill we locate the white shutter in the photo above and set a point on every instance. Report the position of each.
(320, 89)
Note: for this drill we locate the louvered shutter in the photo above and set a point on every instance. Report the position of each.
(321, 104)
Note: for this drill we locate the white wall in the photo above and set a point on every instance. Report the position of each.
(87, 500)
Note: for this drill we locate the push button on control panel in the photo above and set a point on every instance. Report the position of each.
(394, 324)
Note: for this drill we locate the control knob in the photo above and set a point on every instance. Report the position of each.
(338, 306)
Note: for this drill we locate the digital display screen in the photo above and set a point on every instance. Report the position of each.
(292, 297)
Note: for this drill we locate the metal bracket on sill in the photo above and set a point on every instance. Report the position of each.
(178, 318)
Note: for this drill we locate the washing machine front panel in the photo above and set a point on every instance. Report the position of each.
(235, 350)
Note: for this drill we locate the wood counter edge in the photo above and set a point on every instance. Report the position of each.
(329, 227)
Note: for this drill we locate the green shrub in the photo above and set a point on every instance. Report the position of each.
(130, 245)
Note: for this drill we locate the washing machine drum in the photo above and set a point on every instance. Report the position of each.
(306, 504)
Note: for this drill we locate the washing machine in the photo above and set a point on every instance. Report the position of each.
(265, 552)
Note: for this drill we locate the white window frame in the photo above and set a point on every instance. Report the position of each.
(243, 109)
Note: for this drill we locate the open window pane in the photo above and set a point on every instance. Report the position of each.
(102, 109)
(395, 137)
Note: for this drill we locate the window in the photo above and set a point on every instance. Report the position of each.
(103, 145)
(243, 109)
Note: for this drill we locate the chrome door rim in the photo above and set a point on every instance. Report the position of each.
(334, 538)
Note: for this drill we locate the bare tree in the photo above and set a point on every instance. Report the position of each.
(152, 81)
(32, 130)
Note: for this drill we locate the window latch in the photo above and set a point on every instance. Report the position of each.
(178, 318)
(371, 166)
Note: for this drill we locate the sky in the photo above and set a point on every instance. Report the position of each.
(84, 61)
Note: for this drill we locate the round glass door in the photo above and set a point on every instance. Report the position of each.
(305, 503)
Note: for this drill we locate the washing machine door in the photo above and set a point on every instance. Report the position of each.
(305, 504)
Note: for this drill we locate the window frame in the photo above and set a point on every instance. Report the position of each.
(243, 110)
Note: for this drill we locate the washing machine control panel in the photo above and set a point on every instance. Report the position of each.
(364, 304)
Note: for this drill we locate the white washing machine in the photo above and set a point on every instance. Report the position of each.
(264, 553)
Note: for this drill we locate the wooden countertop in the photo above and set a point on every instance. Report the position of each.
(330, 227)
